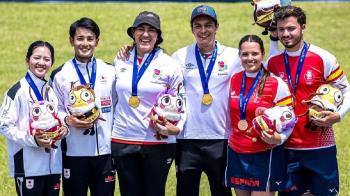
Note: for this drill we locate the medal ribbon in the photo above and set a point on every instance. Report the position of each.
(137, 74)
(33, 86)
(244, 100)
(92, 79)
(205, 77)
(299, 68)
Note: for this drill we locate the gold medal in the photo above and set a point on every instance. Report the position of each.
(134, 101)
(207, 99)
(242, 125)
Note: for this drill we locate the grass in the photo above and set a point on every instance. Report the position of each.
(23, 23)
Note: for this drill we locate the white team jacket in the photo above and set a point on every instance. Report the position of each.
(213, 121)
(25, 156)
(131, 125)
(79, 141)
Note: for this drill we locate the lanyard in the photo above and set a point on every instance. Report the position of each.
(92, 79)
(33, 86)
(137, 74)
(205, 77)
(299, 68)
(244, 100)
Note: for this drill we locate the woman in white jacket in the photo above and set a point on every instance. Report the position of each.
(142, 159)
(35, 161)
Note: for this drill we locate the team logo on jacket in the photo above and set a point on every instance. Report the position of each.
(308, 77)
(233, 95)
(157, 73)
(103, 79)
(222, 66)
(106, 103)
(189, 66)
(29, 183)
(122, 70)
(66, 173)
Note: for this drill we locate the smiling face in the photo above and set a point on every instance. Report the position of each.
(84, 43)
(40, 61)
(290, 33)
(204, 30)
(145, 37)
(251, 56)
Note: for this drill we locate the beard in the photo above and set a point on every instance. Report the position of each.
(294, 42)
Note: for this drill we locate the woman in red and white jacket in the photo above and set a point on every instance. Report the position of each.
(256, 163)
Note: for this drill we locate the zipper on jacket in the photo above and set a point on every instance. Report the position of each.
(98, 149)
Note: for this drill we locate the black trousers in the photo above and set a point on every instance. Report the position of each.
(48, 185)
(196, 156)
(96, 173)
(143, 169)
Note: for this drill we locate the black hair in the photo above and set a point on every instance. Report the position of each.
(40, 43)
(256, 39)
(85, 23)
(252, 38)
(290, 11)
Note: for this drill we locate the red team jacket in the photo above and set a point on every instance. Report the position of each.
(319, 67)
(274, 93)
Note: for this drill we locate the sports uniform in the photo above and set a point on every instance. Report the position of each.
(87, 160)
(36, 171)
(203, 142)
(139, 155)
(304, 145)
(253, 164)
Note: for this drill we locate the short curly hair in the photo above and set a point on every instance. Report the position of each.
(290, 11)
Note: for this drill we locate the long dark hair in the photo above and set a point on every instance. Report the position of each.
(256, 39)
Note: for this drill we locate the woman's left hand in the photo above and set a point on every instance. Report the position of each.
(271, 139)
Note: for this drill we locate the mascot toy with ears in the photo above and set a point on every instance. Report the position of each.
(43, 119)
(326, 98)
(168, 108)
(275, 119)
(82, 103)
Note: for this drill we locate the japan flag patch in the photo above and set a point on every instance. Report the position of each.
(66, 173)
(29, 183)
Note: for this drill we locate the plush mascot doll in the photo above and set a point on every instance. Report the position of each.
(43, 119)
(82, 102)
(168, 108)
(326, 98)
(275, 119)
(264, 11)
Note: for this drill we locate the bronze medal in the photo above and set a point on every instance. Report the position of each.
(134, 101)
(207, 99)
(242, 125)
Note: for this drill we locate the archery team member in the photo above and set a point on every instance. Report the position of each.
(207, 67)
(142, 160)
(256, 165)
(35, 162)
(87, 162)
(312, 153)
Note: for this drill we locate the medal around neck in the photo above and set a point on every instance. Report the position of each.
(207, 99)
(134, 101)
(82, 102)
(242, 125)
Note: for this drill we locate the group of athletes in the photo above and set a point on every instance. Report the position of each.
(223, 88)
